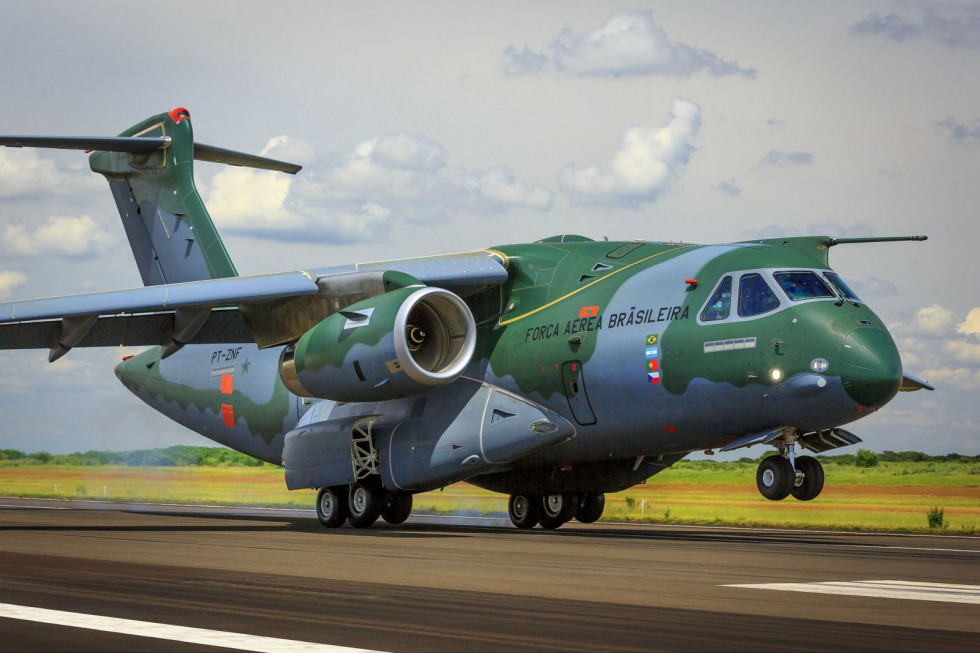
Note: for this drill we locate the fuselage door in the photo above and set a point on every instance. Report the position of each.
(573, 382)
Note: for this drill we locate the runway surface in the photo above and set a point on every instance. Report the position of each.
(455, 584)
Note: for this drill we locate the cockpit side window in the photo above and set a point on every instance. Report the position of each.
(835, 279)
(755, 297)
(802, 285)
(720, 304)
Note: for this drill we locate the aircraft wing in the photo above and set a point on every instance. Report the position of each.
(266, 309)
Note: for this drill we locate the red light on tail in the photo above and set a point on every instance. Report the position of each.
(179, 114)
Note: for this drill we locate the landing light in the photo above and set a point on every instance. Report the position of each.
(775, 375)
(819, 365)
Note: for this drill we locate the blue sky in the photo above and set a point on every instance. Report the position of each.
(444, 126)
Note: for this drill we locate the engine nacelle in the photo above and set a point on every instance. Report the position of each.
(392, 345)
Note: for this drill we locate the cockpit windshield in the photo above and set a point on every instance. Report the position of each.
(835, 279)
(755, 297)
(802, 285)
(720, 304)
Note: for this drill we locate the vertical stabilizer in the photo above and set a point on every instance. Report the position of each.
(169, 229)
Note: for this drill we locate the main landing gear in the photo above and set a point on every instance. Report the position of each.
(361, 504)
(779, 476)
(552, 510)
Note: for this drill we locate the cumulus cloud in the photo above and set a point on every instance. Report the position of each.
(10, 279)
(23, 173)
(958, 28)
(942, 346)
(355, 196)
(782, 159)
(971, 325)
(629, 43)
(730, 188)
(933, 320)
(962, 133)
(61, 235)
(642, 168)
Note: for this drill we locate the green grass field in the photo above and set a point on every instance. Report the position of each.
(893, 496)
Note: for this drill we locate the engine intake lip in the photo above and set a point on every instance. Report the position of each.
(450, 336)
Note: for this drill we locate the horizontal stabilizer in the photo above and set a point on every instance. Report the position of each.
(213, 154)
(911, 384)
(146, 144)
(129, 144)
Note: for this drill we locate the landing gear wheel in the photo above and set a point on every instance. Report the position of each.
(331, 506)
(590, 507)
(556, 509)
(397, 507)
(812, 482)
(365, 503)
(523, 511)
(775, 478)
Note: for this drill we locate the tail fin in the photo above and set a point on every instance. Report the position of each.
(150, 169)
(169, 229)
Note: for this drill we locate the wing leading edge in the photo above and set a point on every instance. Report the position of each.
(265, 309)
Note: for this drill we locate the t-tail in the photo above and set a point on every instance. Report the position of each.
(150, 169)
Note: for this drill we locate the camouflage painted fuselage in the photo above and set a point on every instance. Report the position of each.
(608, 336)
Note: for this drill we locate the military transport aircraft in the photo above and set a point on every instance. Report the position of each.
(553, 371)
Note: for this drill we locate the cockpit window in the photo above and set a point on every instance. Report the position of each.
(802, 285)
(755, 297)
(720, 304)
(835, 279)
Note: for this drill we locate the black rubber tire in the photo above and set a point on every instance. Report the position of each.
(775, 478)
(590, 507)
(812, 483)
(556, 510)
(364, 503)
(397, 507)
(331, 506)
(523, 511)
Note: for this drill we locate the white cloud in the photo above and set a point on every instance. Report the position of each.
(642, 168)
(971, 325)
(933, 320)
(80, 237)
(629, 43)
(353, 198)
(10, 279)
(404, 151)
(23, 172)
(962, 378)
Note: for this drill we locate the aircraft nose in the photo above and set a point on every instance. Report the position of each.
(871, 369)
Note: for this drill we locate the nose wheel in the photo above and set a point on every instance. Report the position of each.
(778, 477)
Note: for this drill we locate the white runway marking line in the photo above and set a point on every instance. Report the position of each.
(200, 636)
(885, 589)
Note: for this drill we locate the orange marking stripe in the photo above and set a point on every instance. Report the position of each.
(227, 384)
(228, 415)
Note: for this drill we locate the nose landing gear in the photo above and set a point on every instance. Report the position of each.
(779, 476)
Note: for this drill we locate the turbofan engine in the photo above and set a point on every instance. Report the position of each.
(391, 345)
